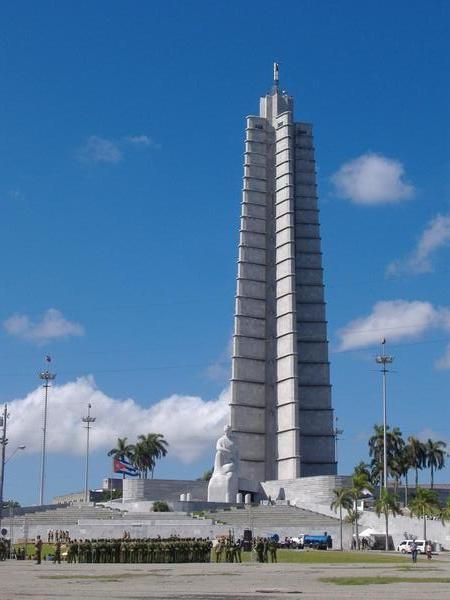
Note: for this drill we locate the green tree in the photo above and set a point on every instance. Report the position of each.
(425, 504)
(418, 455)
(435, 457)
(206, 475)
(387, 504)
(360, 485)
(394, 445)
(160, 506)
(123, 451)
(153, 447)
(341, 499)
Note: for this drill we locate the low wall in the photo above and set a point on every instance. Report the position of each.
(163, 489)
(317, 489)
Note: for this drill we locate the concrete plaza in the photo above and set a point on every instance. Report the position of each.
(217, 581)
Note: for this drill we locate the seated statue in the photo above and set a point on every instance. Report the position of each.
(223, 485)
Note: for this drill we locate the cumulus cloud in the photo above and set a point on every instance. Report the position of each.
(190, 425)
(435, 236)
(393, 319)
(52, 325)
(372, 179)
(444, 362)
(102, 150)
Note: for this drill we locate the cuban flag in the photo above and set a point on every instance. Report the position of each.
(124, 467)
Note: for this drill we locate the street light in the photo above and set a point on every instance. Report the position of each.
(4, 460)
(384, 360)
(47, 377)
(22, 447)
(88, 420)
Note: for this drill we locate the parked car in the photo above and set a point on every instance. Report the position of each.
(405, 546)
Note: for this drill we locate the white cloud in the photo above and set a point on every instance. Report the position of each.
(372, 179)
(444, 362)
(435, 236)
(394, 319)
(139, 140)
(52, 325)
(98, 149)
(190, 425)
(101, 150)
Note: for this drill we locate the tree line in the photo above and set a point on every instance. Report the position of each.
(142, 455)
(402, 457)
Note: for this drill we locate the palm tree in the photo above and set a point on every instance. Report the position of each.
(387, 503)
(360, 483)
(418, 455)
(342, 499)
(142, 459)
(435, 456)
(405, 463)
(363, 468)
(122, 451)
(394, 445)
(154, 447)
(424, 504)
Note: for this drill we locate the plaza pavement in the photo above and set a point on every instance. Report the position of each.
(246, 581)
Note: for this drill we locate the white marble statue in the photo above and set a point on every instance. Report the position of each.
(223, 485)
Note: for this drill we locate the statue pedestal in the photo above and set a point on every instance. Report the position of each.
(223, 488)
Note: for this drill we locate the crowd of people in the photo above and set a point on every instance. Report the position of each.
(58, 536)
(127, 550)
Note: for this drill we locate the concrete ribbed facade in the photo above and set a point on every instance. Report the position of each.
(281, 411)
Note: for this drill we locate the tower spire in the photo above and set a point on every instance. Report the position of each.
(276, 76)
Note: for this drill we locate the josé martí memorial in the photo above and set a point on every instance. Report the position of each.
(275, 465)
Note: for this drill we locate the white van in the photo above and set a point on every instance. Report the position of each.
(405, 546)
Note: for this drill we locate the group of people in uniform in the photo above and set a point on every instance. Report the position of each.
(4, 548)
(146, 550)
(265, 548)
(151, 550)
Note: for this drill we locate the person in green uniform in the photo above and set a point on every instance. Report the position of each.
(57, 553)
(38, 549)
(265, 550)
(273, 550)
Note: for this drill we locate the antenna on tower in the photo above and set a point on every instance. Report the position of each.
(276, 75)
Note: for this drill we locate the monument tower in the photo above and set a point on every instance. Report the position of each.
(281, 413)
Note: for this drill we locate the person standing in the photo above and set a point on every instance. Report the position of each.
(428, 550)
(38, 549)
(57, 555)
(414, 552)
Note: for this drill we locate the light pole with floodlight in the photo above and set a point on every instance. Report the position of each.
(383, 359)
(47, 377)
(88, 420)
(3, 459)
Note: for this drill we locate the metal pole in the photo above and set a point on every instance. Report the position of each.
(46, 376)
(385, 479)
(88, 420)
(384, 360)
(3, 442)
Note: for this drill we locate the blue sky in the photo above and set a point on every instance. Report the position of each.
(121, 166)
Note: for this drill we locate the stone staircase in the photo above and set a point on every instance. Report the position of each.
(274, 517)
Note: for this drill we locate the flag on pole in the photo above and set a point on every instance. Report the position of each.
(124, 467)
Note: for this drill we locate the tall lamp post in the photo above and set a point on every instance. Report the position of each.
(3, 442)
(3, 459)
(47, 377)
(383, 359)
(88, 420)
